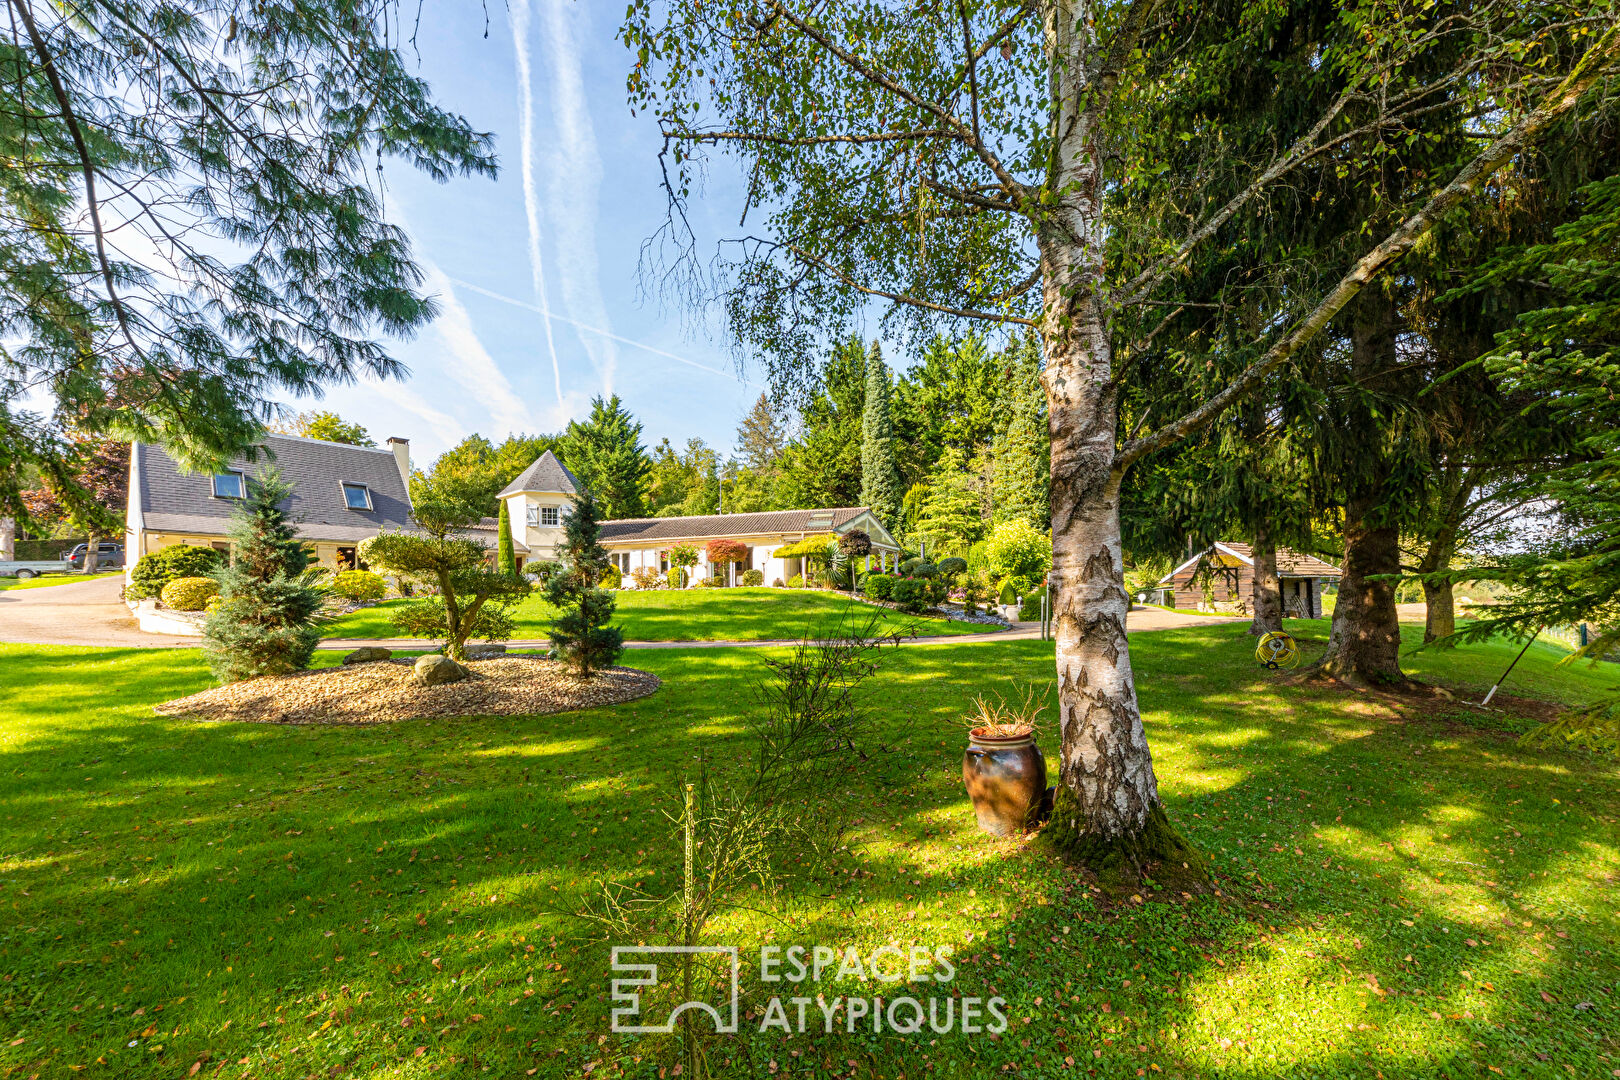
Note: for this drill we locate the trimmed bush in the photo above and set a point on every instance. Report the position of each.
(359, 586)
(1009, 595)
(923, 569)
(878, 586)
(952, 566)
(796, 581)
(910, 564)
(612, 577)
(1031, 609)
(907, 594)
(189, 593)
(157, 568)
(753, 577)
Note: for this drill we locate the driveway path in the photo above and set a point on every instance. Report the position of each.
(82, 613)
(90, 613)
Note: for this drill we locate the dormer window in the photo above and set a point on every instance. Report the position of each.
(230, 485)
(356, 496)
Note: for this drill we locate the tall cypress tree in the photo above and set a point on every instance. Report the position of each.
(264, 624)
(581, 634)
(505, 555)
(880, 482)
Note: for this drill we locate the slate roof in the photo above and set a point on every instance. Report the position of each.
(708, 526)
(546, 474)
(176, 502)
(1289, 563)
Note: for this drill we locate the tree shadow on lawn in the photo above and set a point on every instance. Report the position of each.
(374, 820)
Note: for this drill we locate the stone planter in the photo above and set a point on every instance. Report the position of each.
(1006, 779)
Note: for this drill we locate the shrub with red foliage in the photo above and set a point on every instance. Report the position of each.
(722, 551)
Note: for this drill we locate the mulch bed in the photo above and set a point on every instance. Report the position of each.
(382, 692)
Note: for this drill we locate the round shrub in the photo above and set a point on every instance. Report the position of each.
(879, 586)
(189, 593)
(612, 577)
(753, 577)
(796, 581)
(910, 564)
(952, 566)
(907, 594)
(1018, 553)
(359, 586)
(923, 569)
(157, 568)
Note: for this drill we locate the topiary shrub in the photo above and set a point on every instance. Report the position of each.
(189, 593)
(878, 586)
(923, 569)
(910, 564)
(753, 577)
(1031, 609)
(907, 594)
(796, 581)
(1009, 595)
(359, 586)
(952, 566)
(157, 568)
(612, 577)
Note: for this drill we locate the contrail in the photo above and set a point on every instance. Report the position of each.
(531, 200)
(590, 329)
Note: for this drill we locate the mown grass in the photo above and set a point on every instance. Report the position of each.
(9, 583)
(761, 614)
(1405, 892)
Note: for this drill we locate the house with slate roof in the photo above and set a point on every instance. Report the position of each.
(341, 495)
(539, 500)
(1221, 578)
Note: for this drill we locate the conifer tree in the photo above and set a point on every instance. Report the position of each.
(880, 483)
(265, 621)
(581, 634)
(505, 556)
(1022, 450)
(606, 454)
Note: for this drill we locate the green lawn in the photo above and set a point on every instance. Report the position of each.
(1405, 892)
(9, 583)
(695, 615)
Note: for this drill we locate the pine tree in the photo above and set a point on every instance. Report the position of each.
(950, 518)
(606, 454)
(1022, 450)
(880, 483)
(264, 624)
(505, 556)
(581, 634)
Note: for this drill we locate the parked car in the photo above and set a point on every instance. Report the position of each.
(109, 553)
(25, 570)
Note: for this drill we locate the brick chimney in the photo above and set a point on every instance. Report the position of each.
(402, 457)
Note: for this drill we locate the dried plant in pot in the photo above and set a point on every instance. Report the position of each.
(1003, 768)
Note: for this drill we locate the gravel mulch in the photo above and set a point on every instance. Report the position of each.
(385, 691)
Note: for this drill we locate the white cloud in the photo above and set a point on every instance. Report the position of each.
(531, 199)
(574, 175)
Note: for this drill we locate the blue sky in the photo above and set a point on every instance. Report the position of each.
(500, 253)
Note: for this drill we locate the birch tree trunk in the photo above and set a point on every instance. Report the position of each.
(8, 538)
(1266, 597)
(1106, 809)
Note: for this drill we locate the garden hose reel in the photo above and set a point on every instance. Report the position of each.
(1277, 651)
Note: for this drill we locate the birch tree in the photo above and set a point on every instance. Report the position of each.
(954, 162)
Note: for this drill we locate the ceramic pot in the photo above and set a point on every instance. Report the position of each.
(1006, 779)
